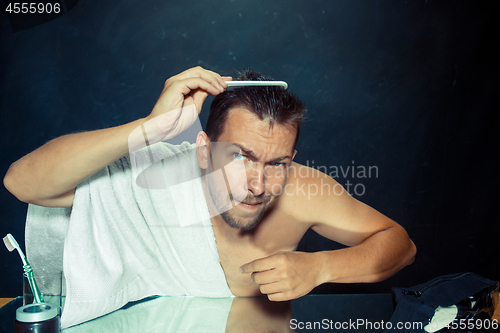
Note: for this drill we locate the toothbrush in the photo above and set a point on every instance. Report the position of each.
(11, 244)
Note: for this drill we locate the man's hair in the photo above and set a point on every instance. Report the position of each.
(269, 103)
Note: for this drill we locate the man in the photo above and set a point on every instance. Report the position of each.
(256, 238)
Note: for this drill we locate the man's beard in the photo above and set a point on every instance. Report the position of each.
(233, 223)
(228, 215)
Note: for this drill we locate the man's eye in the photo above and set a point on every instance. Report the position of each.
(278, 164)
(238, 156)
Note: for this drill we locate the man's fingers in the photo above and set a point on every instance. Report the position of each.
(212, 82)
(199, 97)
(221, 79)
(250, 267)
(258, 265)
(214, 79)
(211, 77)
(187, 85)
(276, 292)
(247, 268)
(278, 297)
(270, 288)
(265, 277)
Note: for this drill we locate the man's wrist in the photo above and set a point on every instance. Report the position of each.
(322, 262)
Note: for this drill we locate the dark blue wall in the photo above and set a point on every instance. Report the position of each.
(407, 86)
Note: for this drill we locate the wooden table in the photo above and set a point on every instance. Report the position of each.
(4, 301)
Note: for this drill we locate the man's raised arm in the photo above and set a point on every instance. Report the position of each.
(49, 175)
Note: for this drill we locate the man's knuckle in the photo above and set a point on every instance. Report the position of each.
(286, 285)
(282, 258)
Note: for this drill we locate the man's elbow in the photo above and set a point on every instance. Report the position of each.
(405, 248)
(406, 258)
(12, 184)
(9, 182)
(412, 252)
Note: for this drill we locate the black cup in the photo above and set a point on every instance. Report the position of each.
(38, 318)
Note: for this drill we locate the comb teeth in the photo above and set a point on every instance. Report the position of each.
(8, 244)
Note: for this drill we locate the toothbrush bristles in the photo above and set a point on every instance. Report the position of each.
(8, 244)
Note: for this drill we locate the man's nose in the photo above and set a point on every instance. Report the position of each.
(256, 180)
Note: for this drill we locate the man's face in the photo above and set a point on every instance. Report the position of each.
(262, 155)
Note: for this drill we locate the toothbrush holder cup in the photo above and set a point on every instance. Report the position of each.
(52, 286)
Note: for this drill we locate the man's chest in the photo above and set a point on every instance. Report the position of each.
(273, 235)
(231, 259)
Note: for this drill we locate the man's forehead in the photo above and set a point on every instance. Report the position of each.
(245, 129)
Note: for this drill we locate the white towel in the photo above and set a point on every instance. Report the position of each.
(124, 242)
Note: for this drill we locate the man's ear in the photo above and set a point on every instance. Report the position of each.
(294, 152)
(203, 150)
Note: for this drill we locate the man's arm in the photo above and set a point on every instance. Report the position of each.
(378, 246)
(49, 175)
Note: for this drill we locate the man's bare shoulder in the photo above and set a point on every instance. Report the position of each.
(302, 177)
(305, 172)
(309, 191)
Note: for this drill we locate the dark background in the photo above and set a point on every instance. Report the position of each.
(410, 87)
